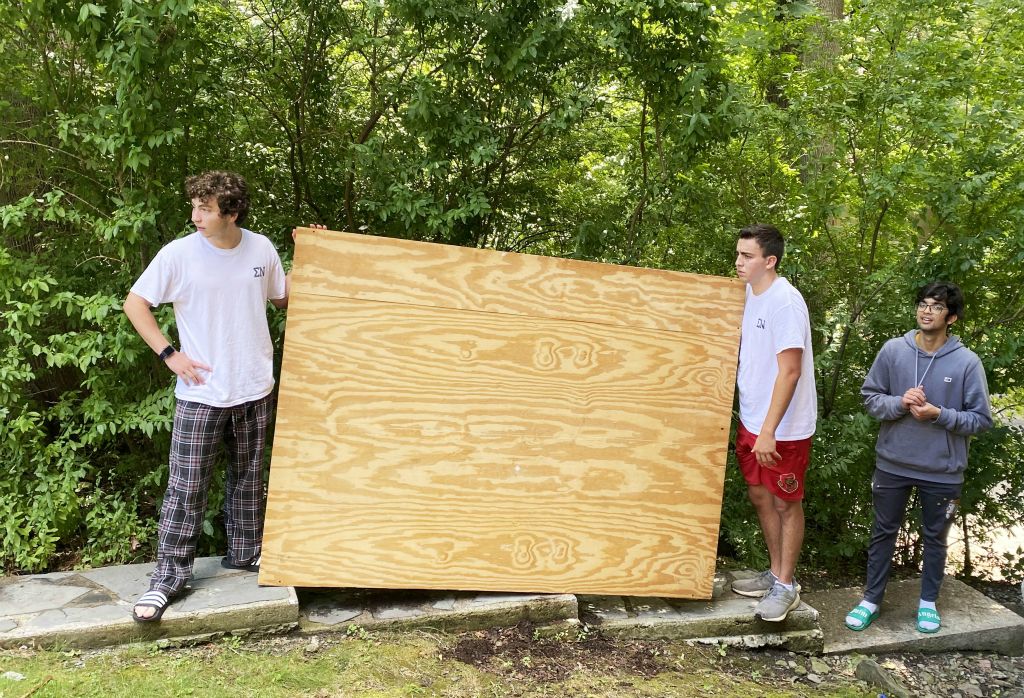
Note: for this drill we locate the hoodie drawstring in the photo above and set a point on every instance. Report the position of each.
(919, 382)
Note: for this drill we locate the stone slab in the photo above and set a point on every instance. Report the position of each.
(92, 608)
(325, 613)
(327, 609)
(803, 641)
(727, 620)
(651, 610)
(446, 603)
(73, 617)
(604, 608)
(737, 613)
(24, 595)
(970, 622)
(123, 581)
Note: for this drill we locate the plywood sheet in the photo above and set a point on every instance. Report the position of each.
(453, 418)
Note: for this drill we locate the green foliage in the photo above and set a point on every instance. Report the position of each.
(886, 144)
(85, 407)
(70, 417)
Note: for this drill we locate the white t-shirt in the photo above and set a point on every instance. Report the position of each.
(775, 321)
(220, 305)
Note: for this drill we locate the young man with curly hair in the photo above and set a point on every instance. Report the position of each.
(219, 280)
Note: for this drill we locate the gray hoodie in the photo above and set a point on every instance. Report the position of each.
(953, 380)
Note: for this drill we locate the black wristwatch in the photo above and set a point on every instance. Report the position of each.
(166, 353)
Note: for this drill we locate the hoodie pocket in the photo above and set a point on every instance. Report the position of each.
(921, 445)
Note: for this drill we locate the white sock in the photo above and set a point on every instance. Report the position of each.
(928, 624)
(853, 620)
(787, 587)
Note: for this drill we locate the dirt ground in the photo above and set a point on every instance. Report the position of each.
(521, 658)
(522, 654)
(519, 653)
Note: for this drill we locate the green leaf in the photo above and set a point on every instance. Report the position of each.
(90, 10)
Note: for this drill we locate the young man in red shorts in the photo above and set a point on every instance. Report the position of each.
(778, 411)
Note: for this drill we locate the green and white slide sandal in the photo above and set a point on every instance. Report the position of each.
(928, 620)
(860, 618)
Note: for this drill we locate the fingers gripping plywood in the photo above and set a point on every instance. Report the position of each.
(453, 418)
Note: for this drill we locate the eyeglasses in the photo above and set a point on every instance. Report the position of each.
(930, 308)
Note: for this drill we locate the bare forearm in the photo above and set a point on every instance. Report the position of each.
(141, 316)
(782, 395)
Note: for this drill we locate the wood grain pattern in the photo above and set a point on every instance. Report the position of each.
(364, 267)
(464, 426)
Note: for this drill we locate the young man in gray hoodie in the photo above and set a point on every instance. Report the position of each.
(930, 393)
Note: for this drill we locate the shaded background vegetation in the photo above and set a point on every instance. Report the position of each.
(884, 138)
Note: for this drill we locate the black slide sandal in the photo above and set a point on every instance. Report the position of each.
(154, 599)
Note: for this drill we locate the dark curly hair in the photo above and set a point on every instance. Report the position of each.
(228, 188)
(944, 292)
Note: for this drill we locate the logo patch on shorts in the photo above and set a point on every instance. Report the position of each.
(788, 483)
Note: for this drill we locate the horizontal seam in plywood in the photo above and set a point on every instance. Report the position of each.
(557, 318)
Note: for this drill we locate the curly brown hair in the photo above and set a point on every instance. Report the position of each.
(228, 188)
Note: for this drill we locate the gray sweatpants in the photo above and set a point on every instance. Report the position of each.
(889, 495)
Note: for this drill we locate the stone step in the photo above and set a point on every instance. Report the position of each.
(92, 608)
(728, 619)
(970, 622)
(341, 609)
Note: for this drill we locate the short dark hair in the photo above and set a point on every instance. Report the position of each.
(228, 188)
(768, 238)
(945, 292)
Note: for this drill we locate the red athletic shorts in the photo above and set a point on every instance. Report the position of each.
(785, 479)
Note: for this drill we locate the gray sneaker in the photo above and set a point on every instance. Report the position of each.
(755, 587)
(777, 603)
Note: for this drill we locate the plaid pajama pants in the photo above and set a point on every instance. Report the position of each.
(195, 441)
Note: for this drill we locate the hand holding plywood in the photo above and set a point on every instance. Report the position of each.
(455, 418)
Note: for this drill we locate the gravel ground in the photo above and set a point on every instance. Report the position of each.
(954, 674)
(963, 675)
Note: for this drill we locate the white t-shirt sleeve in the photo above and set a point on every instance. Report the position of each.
(275, 278)
(161, 282)
(788, 328)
